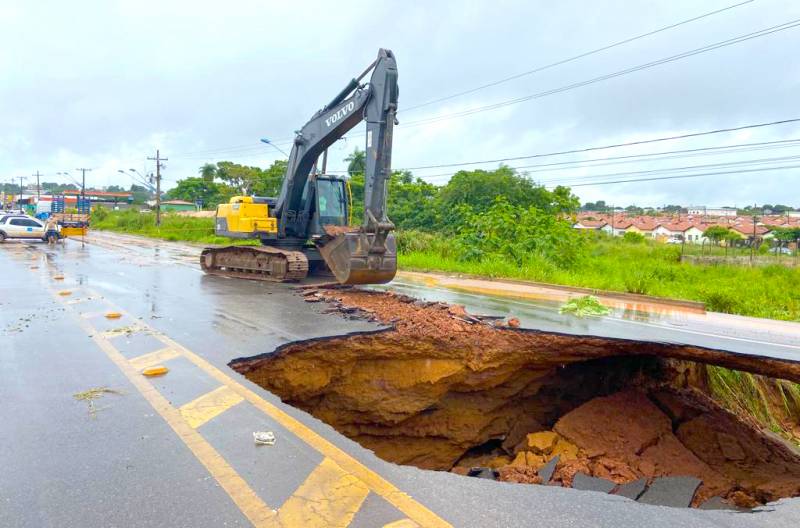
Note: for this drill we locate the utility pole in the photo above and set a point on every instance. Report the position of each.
(37, 186)
(83, 183)
(158, 159)
(21, 190)
(753, 243)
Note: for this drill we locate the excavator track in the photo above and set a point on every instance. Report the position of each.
(256, 263)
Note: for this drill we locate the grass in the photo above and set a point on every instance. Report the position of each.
(609, 264)
(650, 269)
(773, 403)
(173, 227)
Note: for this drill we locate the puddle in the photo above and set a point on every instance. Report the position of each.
(439, 392)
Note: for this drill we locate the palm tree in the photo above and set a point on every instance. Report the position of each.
(207, 172)
(356, 162)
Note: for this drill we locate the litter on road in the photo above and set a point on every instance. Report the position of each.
(264, 438)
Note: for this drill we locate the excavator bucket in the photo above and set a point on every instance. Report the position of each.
(354, 258)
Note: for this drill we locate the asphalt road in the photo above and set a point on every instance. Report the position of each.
(178, 450)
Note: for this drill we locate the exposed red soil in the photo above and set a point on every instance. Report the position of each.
(444, 389)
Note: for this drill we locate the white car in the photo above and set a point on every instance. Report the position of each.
(21, 227)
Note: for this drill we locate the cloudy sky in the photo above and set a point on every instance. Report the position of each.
(102, 84)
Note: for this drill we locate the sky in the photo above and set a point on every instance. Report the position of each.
(103, 84)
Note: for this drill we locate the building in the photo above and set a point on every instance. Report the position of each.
(177, 205)
(702, 210)
(591, 225)
(112, 200)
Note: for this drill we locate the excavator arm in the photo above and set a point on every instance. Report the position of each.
(366, 255)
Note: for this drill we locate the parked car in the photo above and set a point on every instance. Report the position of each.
(6, 214)
(781, 250)
(21, 227)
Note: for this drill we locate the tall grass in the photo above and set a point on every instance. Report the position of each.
(773, 403)
(173, 227)
(612, 264)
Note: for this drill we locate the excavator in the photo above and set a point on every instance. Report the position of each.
(306, 230)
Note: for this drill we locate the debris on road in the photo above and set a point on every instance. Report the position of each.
(92, 394)
(113, 315)
(64, 293)
(158, 370)
(264, 438)
(584, 306)
(58, 277)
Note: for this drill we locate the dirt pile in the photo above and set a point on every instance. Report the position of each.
(444, 389)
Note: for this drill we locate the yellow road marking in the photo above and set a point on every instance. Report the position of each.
(116, 332)
(329, 498)
(90, 315)
(413, 509)
(236, 487)
(154, 358)
(250, 504)
(402, 523)
(199, 411)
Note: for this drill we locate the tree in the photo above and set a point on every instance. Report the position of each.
(140, 194)
(479, 188)
(716, 233)
(192, 190)
(268, 182)
(356, 162)
(519, 233)
(599, 205)
(411, 203)
(248, 180)
(115, 188)
(208, 172)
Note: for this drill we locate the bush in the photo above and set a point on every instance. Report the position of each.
(632, 237)
(518, 233)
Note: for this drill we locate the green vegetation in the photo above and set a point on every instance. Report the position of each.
(499, 223)
(173, 227)
(775, 404)
(584, 306)
(616, 265)
(234, 179)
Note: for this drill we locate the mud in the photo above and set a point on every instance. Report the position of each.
(447, 390)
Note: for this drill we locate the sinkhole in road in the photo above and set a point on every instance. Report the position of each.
(439, 393)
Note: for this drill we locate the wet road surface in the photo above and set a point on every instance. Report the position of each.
(178, 450)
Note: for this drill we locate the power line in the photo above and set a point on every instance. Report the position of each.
(665, 170)
(612, 146)
(653, 156)
(576, 57)
(742, 171)
(710, 47)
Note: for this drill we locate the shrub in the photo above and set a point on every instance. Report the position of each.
(632, 237)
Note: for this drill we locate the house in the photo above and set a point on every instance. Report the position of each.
(620, 226)
(748, 231)
(177, 205)
(686, 231)
(702, 210)
(593, 225)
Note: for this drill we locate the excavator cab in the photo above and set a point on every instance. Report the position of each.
(332, 203)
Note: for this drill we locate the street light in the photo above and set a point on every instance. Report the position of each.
(270, 143)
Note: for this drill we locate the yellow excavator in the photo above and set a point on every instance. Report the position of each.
(306, 229)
